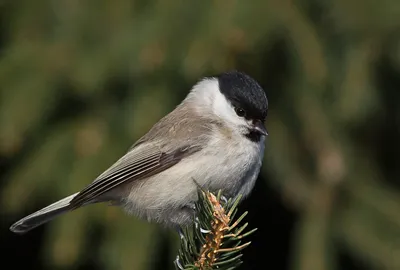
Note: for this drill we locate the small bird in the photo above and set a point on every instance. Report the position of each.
(215, 136)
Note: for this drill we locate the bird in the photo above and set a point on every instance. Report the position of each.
(215, 139)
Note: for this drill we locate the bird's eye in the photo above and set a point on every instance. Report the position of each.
(240, 112)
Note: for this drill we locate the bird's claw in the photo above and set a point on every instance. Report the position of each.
(224, 199)
(204, 231)
(196, 222)
(178, 263)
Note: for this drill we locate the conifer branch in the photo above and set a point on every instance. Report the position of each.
(215, 239)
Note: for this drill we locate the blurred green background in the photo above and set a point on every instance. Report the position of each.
(80, 81)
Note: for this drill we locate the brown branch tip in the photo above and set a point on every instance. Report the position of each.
(220, 226)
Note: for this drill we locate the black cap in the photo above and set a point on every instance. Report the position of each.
(244, 92)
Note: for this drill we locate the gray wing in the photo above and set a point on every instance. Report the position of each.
(183, 136)
(134, 165)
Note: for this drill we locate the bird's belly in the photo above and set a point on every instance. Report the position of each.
(233, 171)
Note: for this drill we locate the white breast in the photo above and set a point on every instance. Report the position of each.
(231, 164)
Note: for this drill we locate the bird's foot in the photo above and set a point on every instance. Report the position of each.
(196, 222)
(224, 199)
(178, 263)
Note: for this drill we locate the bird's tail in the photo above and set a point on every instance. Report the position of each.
(42, 216)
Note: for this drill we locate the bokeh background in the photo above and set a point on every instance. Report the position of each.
(80, 81)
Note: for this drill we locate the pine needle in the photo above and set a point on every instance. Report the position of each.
(219, 248)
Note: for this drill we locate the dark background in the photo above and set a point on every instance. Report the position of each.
(80, 81)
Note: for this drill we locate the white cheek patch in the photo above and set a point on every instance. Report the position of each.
(206, 94)
(225, 110)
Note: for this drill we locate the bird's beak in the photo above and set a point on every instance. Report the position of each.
(258, 126)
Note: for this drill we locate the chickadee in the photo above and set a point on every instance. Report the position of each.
(215, 136)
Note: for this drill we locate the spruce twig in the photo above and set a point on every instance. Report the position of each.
(220, 246)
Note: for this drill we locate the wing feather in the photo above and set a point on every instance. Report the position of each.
(131, 167)
(147, 157)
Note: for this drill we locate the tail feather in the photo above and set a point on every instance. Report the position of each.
(42, 216)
